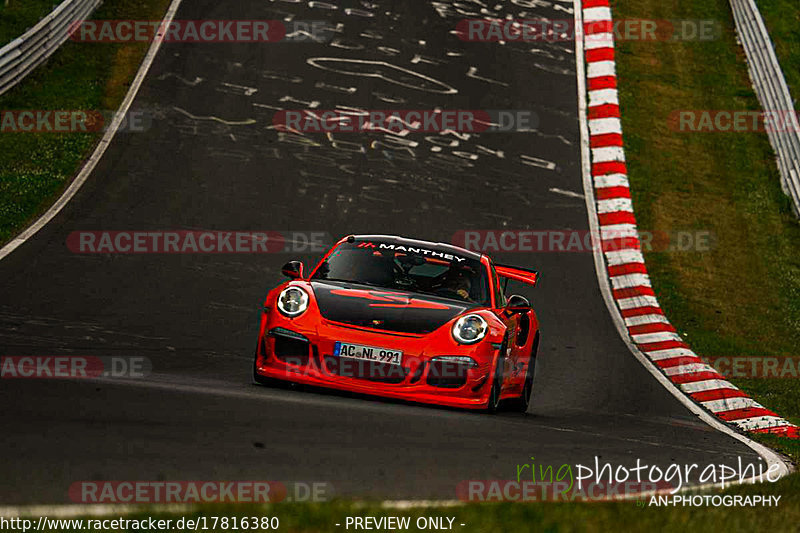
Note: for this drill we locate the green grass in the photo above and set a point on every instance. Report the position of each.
(743, 297)
(36, 167)
(19, 15)
(517, 517)
(782, 18)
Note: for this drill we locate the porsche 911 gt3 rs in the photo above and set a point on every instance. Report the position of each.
(388, 316)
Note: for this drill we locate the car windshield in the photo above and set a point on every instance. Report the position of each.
(405, 268)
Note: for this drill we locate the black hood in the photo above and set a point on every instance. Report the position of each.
(385, 309)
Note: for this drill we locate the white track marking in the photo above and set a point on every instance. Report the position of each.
(566, 193)
(602, 126)
(760, 422)
(603, 97)
(630, 280)
(613, 205)
(670, 353)
(662, 336)
(646, 319)
(624, 257)
(730, 404)
(611, 180)
(618, 231)
(608, 153)
(104, 143)
(601, 68)
(706, 385)
(691, 368)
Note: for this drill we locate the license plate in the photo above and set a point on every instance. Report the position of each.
(367, 353)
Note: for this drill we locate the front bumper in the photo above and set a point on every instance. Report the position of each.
(301, 352)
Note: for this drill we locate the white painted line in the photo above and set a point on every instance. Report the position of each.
(603, 97)
(618, 231)
(661, 336)
(611, 180)
(602, 126)
(630, 280)
(566, 193)
(730, 404)
(600, 69)
(646, 319)
(783, 466)
(691, 368)
(709, 384)
(608, 153)
(760, 422)
(592, 14)
(670, 353)
(104, 143)
(613, 205)
(624, 257)
(599, 40)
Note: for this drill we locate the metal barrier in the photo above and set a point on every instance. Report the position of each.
(772, 92)
(19, 57)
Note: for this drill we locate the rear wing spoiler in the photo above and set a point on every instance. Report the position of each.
(525, 275)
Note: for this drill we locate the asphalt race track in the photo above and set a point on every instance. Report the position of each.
(211, 161)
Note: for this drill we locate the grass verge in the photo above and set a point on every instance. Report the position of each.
(741, 298)
(782, 18)
(17, 16)
(36, 167)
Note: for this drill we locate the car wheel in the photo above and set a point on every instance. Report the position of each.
(521, 404)
(493, 405)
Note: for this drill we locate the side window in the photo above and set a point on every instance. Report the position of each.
(499, 297)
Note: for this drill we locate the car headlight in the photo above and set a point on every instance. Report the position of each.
(293, 301)
(469, 329)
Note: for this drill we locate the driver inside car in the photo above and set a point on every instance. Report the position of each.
(457, 281)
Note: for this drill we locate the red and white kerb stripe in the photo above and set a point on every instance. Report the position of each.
(649, 329)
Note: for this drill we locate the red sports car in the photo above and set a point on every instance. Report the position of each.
(415, 320)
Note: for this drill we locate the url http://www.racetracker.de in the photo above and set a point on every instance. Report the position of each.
(199, 523)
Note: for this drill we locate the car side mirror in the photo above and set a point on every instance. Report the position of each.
(293, 269)
(518, 304)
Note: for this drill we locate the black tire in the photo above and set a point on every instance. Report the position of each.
(493, 405)
(522, 403)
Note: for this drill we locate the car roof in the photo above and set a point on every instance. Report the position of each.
(414, 243)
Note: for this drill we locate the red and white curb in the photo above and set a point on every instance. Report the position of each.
(647, 326)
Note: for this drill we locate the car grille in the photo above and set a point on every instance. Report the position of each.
(291, 350)
(369, 370)
(447, 374)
